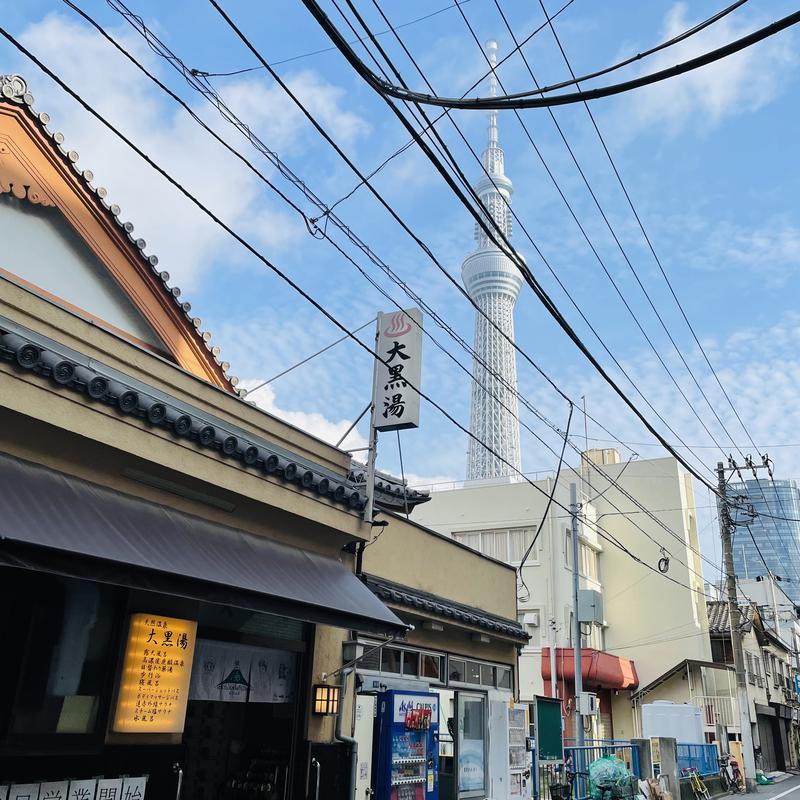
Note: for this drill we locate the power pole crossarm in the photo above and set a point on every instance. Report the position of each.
(726, 527)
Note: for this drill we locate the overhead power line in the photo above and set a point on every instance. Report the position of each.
(255, 68)
(299, 290)
(417, 299)
(525, 100)
(483, 222)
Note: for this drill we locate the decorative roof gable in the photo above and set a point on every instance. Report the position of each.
(36, 168)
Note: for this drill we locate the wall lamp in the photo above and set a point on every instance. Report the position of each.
(326, 699)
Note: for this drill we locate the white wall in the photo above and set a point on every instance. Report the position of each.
(41, 248)
(655, 622)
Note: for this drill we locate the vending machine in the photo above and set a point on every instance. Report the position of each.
(406, 761)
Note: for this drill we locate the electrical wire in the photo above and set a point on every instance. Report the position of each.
(293, 285)
(619, 488)
(607, 222)
(213, 97)
(540, 293)
(525, 555)
(525, 100)
(391, 300)
(204, 74)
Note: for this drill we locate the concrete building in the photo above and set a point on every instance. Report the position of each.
(648, 617)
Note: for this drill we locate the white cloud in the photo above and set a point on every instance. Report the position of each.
(185, 240)
(743, 82)
(314, 423)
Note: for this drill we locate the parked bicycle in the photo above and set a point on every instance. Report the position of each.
(730, 774)
(699, 789)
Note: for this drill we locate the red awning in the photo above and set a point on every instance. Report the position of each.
(599, 669)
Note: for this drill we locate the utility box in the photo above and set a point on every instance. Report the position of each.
(588, 704)
(590, 606)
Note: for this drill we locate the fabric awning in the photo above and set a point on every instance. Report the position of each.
(61, 524)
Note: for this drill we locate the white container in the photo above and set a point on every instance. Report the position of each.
(679, 721)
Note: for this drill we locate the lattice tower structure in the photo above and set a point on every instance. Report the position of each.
(493, 281)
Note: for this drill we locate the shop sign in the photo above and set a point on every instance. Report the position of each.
(233, 673)
(397, 376)
(154, 687)
(91, 789)
(405, 703)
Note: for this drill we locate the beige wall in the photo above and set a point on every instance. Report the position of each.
(65, 430)
(411, 555)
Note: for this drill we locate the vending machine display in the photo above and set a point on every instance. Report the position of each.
(406, 760)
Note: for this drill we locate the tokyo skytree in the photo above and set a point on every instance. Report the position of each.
(493, 282)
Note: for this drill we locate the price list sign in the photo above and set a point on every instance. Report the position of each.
(156, 673)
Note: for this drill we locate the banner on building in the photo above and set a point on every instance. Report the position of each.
(234, 673)
(397, 375)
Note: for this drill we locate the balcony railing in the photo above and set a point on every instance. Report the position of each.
(717, 709)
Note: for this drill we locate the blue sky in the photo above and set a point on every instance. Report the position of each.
(710, 160)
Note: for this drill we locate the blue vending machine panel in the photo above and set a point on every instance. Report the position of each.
(407, 746)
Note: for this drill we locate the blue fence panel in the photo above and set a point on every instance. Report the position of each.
(581, 757)
(702, 757)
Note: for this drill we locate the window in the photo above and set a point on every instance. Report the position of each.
(504, 544)
(504, 678)
(390, 660)
(487, 675)
(432, 666)
(410, 663)
(588, 559)
(64, 673)
(457, 670)
(473, 673)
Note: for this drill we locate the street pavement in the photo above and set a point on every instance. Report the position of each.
(789, 789)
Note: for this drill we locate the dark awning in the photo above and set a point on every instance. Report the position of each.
(57, 523)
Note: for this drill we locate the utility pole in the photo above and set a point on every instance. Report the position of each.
(576, 625)
(726, 531)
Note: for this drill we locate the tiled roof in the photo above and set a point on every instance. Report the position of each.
(719, 618)
(416, 599)
(14, 89)
(94, 382)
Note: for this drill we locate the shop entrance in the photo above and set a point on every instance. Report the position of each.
(243, 717)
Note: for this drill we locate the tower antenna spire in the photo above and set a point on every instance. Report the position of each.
(493, 282)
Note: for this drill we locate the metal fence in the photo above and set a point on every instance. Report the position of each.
(570, 780)
(703, 757)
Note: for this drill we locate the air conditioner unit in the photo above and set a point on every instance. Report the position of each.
(532, 618)
(588, 704)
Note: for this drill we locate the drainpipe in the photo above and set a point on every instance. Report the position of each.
(352, 741)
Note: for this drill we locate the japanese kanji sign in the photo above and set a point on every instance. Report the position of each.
(154, 686)
(397, 376)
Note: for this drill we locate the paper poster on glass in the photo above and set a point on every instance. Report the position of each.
(471, 743)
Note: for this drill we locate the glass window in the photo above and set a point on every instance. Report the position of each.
(487, 675)
(456, 670)
(472, 540)
(519, 540)
(471, 726)
(390, 660)
(503, 677)
(68, 658)
(370, 660)
(410, 663)
(495, 544)
(473, 672)
(431, 666)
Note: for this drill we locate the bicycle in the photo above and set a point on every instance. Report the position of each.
(729, 774)
(699, 789)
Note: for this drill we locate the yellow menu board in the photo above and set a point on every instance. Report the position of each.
(154, 686)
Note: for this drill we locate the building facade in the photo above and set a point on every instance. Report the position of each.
(774, 540)
(645, 616)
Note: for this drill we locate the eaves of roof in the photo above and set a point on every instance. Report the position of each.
(14, 89)
(426, 603)
(93, 382)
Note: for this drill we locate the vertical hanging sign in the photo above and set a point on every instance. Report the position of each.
(397, 377)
